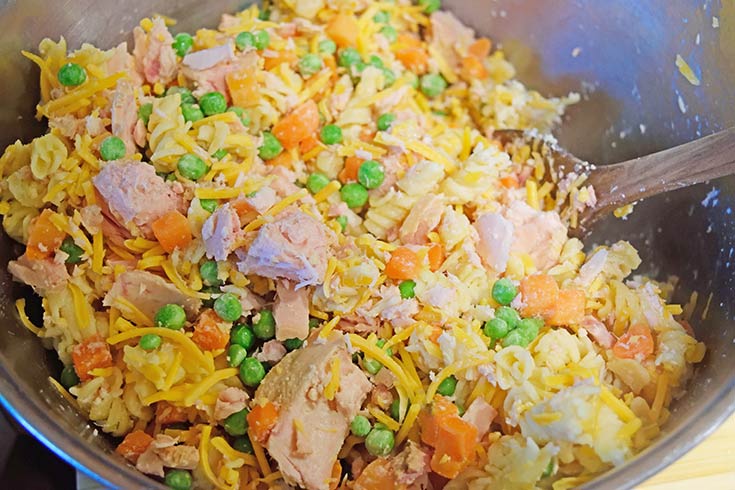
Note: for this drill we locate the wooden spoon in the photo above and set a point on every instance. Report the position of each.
(627, 182)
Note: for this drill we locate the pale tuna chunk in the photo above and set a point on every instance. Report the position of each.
(291, 311)
(262, 200)
(450, 37)
(480, 414)
(208, 72)
(294, 247)
(154, 55)
(41, 275)
(122, 61)
(598, 331)
(163, 452)
(495, 239)
(221, 232)
(271, 352)
(207, 58)
(540, 234)
(230, 400)
(311, 429)
(412, 465)
(135, 195)
(424, 216)
(124, 114)
(149, 292)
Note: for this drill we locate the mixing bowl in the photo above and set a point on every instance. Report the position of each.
(620, 55)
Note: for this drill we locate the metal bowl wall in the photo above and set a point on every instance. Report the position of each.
(619, 54)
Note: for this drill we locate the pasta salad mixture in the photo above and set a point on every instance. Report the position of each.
(289, 253)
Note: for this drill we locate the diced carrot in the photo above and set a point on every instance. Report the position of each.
(431, 418)
(308, 143)
(540, 293)
(569, 308)
(367, 135)
(480, 48)
(261, 420)
(208, 334)
(90, 354)
(455, 446)
(43, 237)
(343, 30)
(284, 159)
(510, 182)
(298, 125)
(243, 87)
(378, 475)
(167, 413)
(288, 57)
(436, 332)
(241, 206)
(134, 444)
(172, 231)
(436, 256)
(349, 171)
(403, 264)
(472, 68)
(409, 51)
(637, 342)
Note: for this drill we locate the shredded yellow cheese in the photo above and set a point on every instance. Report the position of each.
(453, 369)
(173, 275)
(67, 101)
(221, 445)
(171, 374)
(265, 468)
(430, 154)
(408, 423)
(98, 252)
(327, 191)
(190, 349)
(207, 383)
(63, 392)
(204, 458)
(131, 311)
(329, 327)
(616, 405)
(20, 305)
(330, 390)
(381, 417)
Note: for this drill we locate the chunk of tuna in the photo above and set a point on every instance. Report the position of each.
(207, 58)
(41, 275)
(480, 414)
(208, 71)
(163, 451)
(296, 386)
(230, 400)
(450, 37)
(495, 239)
(540, 234)
(294, 247)
(124, 114)
(291, 311)
(221, 232)
(272, 352)
(411, 464)
(424, 216)
(149, 292)
(598, 331)
(154, 55)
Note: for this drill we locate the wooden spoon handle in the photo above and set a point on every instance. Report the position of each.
(691, 163)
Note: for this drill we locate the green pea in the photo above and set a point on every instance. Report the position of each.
(342, 220)
(170, 316)
(354, 194)
(112, 148)
(432, 85)
(208, 204)
(316, 182)
(516, 337)
(244, 40)
(496, 329)
(511, 316)
(243, 445)
(371, 365)
(390, 33)
(68, 377)
(236, 354)
(293, 344)
(504, 291)
(183, 43)
(220, 154)
(310, 64)
(209, 272)
(407, 289)
(73, 250)
(380, 442)
(370, 174)
(331, 134)
(150, 341)
(252, 372)
(327, 46)
(186, 96)
(382, 17)
(385, 121)
(389, 77)
(261, 40)
(228, 307)
(144, 112)
(530, 327)
(348, 57)
(237, 423)
(395, 410)
(242, 335)
(244, 117)
(264, 14)
(271, 147)
(448, 386)
(71, 75)
(360, 426)
(264, 325)
(191, 112)
(380, 426)
(213, 103)
(430, 6)
(178, 480)
(192, 167)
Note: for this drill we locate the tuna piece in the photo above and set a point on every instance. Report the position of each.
(294, 247)
(154, 55)
(272, 352)
(291, 311)
(221, 232)
(311, 429)
(208, 71)
(263, 199)
(207, 58)
(41, 275)
(124, 114)
(540, 234)
(411, 464)
(230, 400)
(598, 331)
(424, 216)
(163, 451)
(480, 414)
(496, 237)
(134, 195)
(149, 292)
(450, 37)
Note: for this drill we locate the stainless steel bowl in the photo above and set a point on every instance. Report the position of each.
(620, 54)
